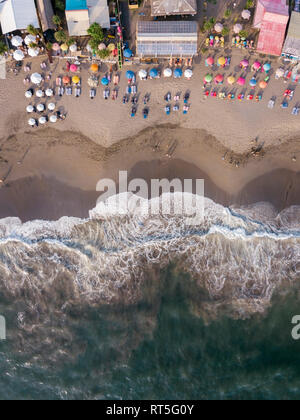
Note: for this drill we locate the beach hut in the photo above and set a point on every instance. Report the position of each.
(17, 41)
(32, 122)
(49, 93)
(30, 109)
(168, 72)
(153, 73)
(39, 94)
(231, 80)
(221, 61)
(53, 119)
(178, 73)
(28, 94)
(253, 82)
(30, 39)
(127, 53)
(51, 106)
(219, 27)
(42, 120)
(209, 62)
(129, 75)
(241, 81)
(246, 14)
(237, 28)
(188, 74)
(219, 79)
(33, 52)
(19, 55)
(36, 78)
(40, 107)
(244, 64)
(208, 78)
(104, 81)
(143, 74)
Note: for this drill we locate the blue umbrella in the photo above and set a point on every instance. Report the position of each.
(105, 81)
(129, 75)
(127, 53)
(253, 82)
(153, 73)
(178, 73)
(267, 67)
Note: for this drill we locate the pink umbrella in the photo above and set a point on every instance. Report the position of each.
(257, 65)
(245, 64)
(73, 68)
(210, 61)
(219, 79)
(56, 47)
(241, 81)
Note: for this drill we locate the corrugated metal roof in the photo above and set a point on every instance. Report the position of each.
(271, 38)
(292, 42)
(46, 14)
(175, 27)
(173, 7)
(17, 15)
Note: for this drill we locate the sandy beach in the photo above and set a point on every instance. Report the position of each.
(49, 173)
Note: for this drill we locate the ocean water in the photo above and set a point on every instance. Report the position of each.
(137, 307)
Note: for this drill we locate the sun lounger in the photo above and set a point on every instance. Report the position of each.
(77, 92)
(134, 89)
(168, 110)
(92, 93)
(128, 90)
(296, 110)
(271, 104)
(69, 91)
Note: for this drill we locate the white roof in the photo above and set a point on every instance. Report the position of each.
(99, 12)
(80, 20)
(17, 15)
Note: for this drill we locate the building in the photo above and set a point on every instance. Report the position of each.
(17, 15)
(158, 39)
(271, 17)
(291, 48)
(80, 14)
(173, 7)
(46, 14)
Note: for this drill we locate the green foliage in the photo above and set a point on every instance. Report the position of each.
(243, 34)
(208, 26)
(3, 48)
(70, 42)
(59, 5)
(225, 31)
(32, 30)
(49, 46)
(94, 44)
(57, 21)
(33, 45)
(60, 36)
(227, 14)
(103, 54)
(96, 32)
(250, 4)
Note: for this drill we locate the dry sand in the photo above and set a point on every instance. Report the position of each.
(50, 173)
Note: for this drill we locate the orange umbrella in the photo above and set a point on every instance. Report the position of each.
(94, 68)
(66, 80)
(263, 84)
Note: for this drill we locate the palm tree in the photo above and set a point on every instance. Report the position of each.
(3, 48)
(32, 30)
(60, 36)
(57, 21)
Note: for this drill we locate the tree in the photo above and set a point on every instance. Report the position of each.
(249, 4)
(225, 32)
(227, 14)
(94, 44)
(103, 54)
(70, 42)
(3, 48)
(96, 32)
(32, 30)
(243, 34)
(60, 5)
(209, 24)
(57, 21)
(60, 36)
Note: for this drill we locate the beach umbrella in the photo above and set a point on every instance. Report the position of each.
(28, 94)
(129, 75)
(253, 82)
(143, 74)
(51, 106)
(257, 65)
(73, 68)
(111, 47)
(208, 78)
(49, 92)
(178, 73)
(36, 78)
(241, 81)
(19, 55)
(231, 80)
(244, 63)
(39, 93)
(93, 82)
(280, 72)
(17, 41)
(267, 67)
(222, 61)
(53, 118)
(94, 68)
(246, 14)
(237, 28)
(263, 84)
(73, 48)
(168, 72)
(32, 122)
(75, 80)
(30, 109)
(219, 27)
(101, 46)
(40, 107)
(219, 79)
(56, 47)
(127, 53)
(153, 73)
(33, 52)
(42, 120)
(30, 39)
(210, 61)
(64, 47)
(188, 73)
(105, 81)
(66, 80)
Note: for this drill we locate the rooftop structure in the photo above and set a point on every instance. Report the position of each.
(167, 39)
(173, 7)
(81, 14)
(46, 14)
(271, 18)
(291, 48)
(17, 15)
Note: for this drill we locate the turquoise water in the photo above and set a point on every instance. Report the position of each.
(159, 349)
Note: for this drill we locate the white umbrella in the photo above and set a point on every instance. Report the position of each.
(168, 72)
(246, 14)
(36, 78)
(51, 106)
(33, 52)
(19, 55)
(219, 27)
(40, 94)
(42, 120)
(143, 74)
(17, 41)
(30, 39)
(53, 118)
(280, 72)
(237, 28)
(89, 48)
(28, 94)
(73, 48)
(188, 73)
(30, 109)
(40, 107)
(49, 92)
(32, 122)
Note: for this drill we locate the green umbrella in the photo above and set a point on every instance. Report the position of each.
(208, 78)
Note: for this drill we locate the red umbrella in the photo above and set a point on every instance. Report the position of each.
(219, 78)
(241, 81)
(66, 80)
(210, 61)
(73, 68)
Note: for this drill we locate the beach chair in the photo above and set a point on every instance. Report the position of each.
(168, 110)
(271, 104)
(92, 93)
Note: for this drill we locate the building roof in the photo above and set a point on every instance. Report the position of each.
(292, 43)
(79, 20)
(99, 12)
(76, 5)
(46, 14)
(173, 7)
(17, 15)
(167, 39)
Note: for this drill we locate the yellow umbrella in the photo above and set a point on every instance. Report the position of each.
(76, 80)
(64, 47)
(222, 61)
(231, 80)
(111, 47)
(94, 68)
